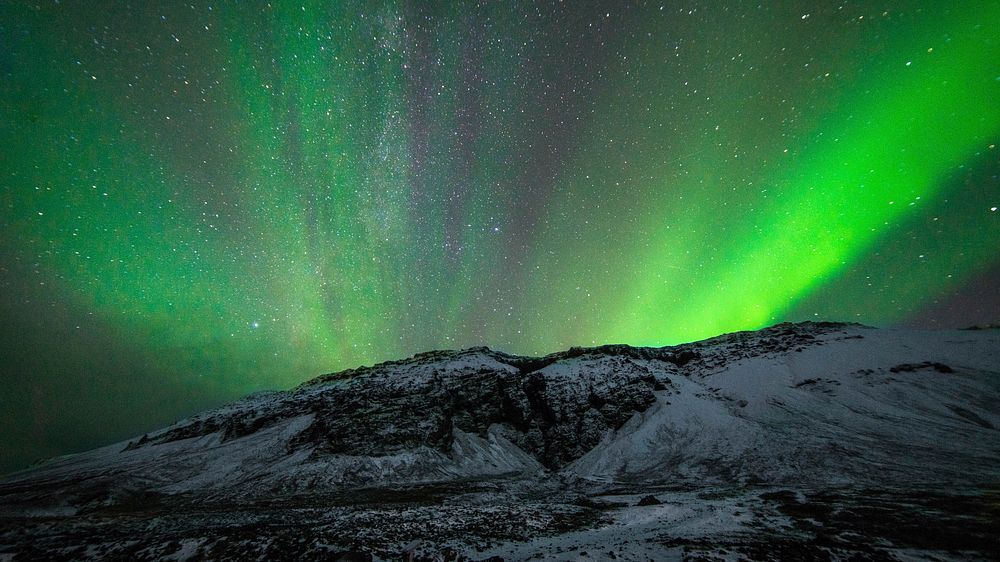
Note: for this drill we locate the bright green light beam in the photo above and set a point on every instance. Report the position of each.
(891, 145)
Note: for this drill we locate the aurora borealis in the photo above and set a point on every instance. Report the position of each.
(204, 199)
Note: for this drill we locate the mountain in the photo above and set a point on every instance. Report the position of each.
(808, 441)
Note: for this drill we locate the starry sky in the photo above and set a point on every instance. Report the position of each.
(203, 199)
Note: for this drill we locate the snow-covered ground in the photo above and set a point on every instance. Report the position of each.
(822, 440)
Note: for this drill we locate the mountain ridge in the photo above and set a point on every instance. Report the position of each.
(537, 362)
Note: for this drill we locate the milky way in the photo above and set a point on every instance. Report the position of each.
(206, 199)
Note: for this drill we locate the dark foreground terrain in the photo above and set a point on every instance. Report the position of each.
(440, 524)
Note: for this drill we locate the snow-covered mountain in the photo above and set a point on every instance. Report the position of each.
(779, 436)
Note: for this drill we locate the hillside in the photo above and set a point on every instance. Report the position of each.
(823, 439)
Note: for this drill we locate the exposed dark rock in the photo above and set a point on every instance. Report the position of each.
(925, 366)
(649, 500)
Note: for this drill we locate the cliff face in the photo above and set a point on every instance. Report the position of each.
(803, 406)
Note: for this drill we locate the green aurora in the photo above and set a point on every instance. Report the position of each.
(203, 200)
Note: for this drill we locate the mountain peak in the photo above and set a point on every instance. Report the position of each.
(804, 406)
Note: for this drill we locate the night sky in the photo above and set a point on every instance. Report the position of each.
(199, 200)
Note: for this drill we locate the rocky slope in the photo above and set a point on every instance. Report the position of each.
(777, 436)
